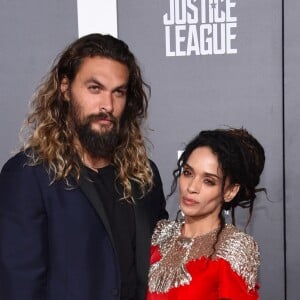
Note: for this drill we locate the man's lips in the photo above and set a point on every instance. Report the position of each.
(104, 120)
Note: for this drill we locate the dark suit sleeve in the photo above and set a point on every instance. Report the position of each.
(159, 194)
(148, 211)
(23, 234)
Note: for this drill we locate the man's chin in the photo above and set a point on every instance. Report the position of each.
(102, 129)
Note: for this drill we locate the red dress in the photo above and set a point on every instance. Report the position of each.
(182, 268)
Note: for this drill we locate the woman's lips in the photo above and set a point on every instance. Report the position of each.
(188, 201)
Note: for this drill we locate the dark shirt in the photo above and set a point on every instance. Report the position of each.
(120, 214)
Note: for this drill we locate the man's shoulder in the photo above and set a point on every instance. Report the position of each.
(153, 165)
(21, 163)
(155, 171)
(18, 161)
(17, 174)
(22, 168)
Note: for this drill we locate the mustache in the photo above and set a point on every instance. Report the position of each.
(101, 116)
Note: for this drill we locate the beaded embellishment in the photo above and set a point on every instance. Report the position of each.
(234, 246)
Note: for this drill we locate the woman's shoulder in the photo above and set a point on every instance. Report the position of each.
(233, 239)
(164, 230)
(241, 251)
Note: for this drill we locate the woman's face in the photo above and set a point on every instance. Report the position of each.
(200, 186)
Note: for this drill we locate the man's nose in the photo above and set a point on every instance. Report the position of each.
(106, 102)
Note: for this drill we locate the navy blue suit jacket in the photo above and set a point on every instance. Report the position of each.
(55, 241)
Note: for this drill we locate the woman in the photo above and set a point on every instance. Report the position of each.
(200, 256)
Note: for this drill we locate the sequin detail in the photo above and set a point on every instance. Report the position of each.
(241, 251)
(234, 246)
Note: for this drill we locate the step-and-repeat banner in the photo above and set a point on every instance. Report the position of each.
(215, 63)
(210, 63)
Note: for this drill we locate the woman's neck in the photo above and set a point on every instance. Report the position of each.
(193, 228)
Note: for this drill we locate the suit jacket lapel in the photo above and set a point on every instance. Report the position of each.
(88, 188)
(143, 237)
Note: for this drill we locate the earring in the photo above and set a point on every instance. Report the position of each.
(226, 209)
(226, 212)
(180, 215)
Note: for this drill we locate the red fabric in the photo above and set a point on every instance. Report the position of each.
(211, 280)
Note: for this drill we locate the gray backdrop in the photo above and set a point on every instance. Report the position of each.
(191, 93)
(292, 144)
(252, 88)
(32, 33)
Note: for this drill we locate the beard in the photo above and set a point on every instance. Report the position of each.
(99, 144)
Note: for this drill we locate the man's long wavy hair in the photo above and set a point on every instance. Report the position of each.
(50, 136)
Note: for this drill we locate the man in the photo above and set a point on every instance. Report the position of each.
(79, 202)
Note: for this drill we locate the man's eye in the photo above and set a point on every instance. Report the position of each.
(94, 88)
(120, 93)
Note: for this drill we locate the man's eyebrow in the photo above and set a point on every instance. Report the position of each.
(93, 80)
(122, 87)
(96, 81)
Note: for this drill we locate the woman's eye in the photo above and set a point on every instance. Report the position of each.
(186, 173)
(209, 182)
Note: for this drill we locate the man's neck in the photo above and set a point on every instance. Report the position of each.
(95, 163)
(90, 161)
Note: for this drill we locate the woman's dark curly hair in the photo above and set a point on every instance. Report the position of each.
(241, 159)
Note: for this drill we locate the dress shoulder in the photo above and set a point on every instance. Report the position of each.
(163, 231)
(241, 251)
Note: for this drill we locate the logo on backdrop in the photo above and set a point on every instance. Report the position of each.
(200, 27)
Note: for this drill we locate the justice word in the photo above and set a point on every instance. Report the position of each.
(203, 27)
(200, 11)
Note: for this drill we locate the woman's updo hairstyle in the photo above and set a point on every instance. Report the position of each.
(241, 158)
(251, 166)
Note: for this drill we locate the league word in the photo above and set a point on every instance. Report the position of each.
(200, 27)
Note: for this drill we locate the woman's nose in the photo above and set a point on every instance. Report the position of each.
(194, 186)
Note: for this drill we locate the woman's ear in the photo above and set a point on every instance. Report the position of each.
(64, 88)
(231, 192)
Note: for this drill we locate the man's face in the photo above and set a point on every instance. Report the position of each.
(97, 99)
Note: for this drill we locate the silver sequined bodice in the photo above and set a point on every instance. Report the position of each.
(236, 247)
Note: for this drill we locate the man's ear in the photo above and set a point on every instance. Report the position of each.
(64, 88)
(231, 192)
